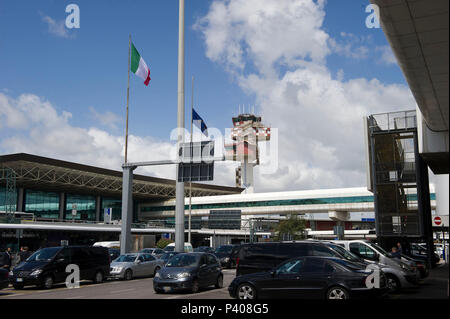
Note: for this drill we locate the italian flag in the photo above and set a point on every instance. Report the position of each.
(138, 65)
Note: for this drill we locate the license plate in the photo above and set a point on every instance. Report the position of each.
(19, 279)
(167, 289)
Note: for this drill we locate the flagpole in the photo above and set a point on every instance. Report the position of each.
(128, 99)
(191, 147)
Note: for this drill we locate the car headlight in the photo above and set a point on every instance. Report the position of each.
(117, 269)
(157, 275)
(226, 259)
(183, 275)
(36, 272)
(405, 267)
(10, 274)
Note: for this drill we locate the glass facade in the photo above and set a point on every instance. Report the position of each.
(310, 201)
(3, 203)
(42, 204)
(85, 207)
(115, 204)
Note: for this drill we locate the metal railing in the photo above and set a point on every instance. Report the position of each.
(393, 121)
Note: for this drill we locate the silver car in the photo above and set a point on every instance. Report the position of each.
(129, 266)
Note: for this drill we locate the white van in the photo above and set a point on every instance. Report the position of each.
(406, 276)
(107, 244)
(187, 247)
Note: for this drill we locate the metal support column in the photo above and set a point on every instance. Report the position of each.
(62, 205)
(127, 209)
(179, 215)
(20, 200)
(98, 206)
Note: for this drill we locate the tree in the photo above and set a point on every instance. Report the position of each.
(291, 229)
(163, 242)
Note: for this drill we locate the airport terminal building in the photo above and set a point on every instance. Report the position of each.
(57, 200)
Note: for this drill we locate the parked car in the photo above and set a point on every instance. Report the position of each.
(130, 266)
(370, 252)
(189, 271)
(308, 277)
(226, 255)
(47, 266)
(258, 257)
(4, 280)
(390, 272)
(157, 252)
(113, 253)
(419, 252)
(420, 264)
(204, 249)
(171, 247)
(167, 255)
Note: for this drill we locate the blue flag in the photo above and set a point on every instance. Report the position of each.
(198, 121)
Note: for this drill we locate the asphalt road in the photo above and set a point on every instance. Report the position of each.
(117, 289)
(433, 287)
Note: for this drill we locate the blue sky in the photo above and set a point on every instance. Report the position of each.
(89, 69)
(84, 71)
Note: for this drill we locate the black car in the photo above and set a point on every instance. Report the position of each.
(227, 254)
(259, 257)
(420, 253)
(189, 271)
(167, 255)
(113, 253)
(47, 266)
(204, 249)
(4, 280)
(308, 277)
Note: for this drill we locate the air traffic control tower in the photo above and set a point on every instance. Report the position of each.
(247, 131)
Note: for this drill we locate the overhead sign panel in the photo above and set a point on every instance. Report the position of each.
(197, 163)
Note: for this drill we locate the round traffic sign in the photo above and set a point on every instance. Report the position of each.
(437, 220)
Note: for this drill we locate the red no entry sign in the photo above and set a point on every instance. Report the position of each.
(437, 220)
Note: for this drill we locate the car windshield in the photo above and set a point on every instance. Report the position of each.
(201, 249)
(45, 254)
(147, 250)
(169, 248)
(378, 248)
(224, 249)
(125, 258)
(183, 260)
(345, 253)
(166, 256)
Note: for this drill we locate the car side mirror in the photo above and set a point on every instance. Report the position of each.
(138, 261)
(203, 266)
(273, 273)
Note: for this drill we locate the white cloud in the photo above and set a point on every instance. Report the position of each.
(57, 28)
(33, 125)
(107, 119)
(319, 118)
(386, 56)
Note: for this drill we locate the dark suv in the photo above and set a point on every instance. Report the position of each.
(260, 257)
(227, 254)
(47, 266)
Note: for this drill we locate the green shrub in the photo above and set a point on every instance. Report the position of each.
(163, 242)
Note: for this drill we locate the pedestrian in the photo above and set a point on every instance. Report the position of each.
(394, 253)
(24, 254)
(6, 260)
(399, 249)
